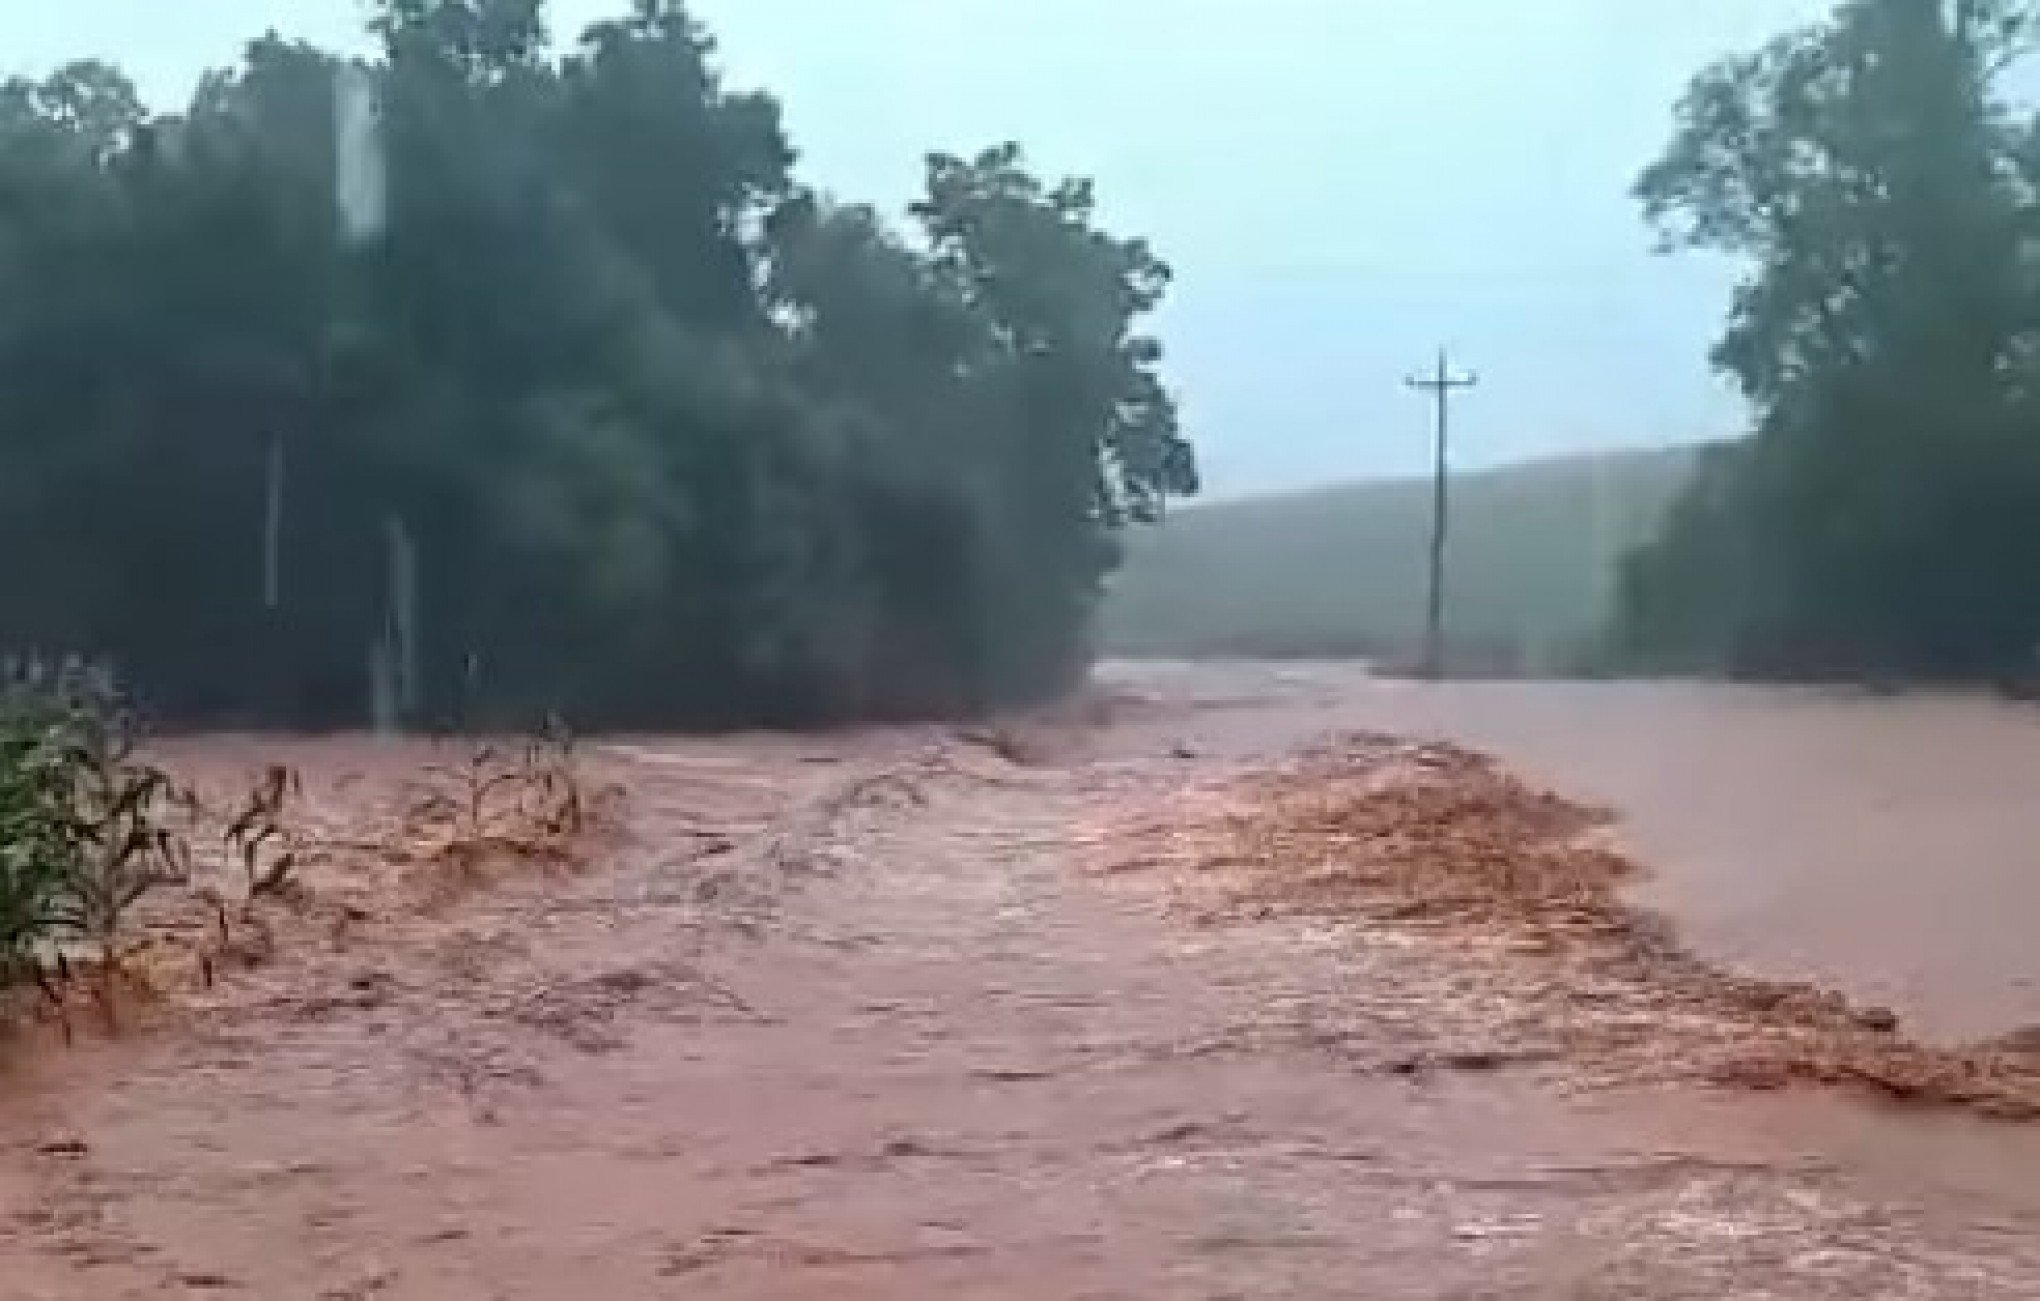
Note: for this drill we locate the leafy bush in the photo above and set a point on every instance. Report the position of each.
(36, 845)
(84, 827)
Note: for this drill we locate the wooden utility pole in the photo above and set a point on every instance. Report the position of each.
(1440, 385)
(272, 529)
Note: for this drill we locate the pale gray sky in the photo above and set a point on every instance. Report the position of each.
(1341, 184)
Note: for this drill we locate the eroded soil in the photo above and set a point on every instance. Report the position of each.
(917, 1013)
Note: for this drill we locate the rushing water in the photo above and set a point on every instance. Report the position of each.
(1886, 847)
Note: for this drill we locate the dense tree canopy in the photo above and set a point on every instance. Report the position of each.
(571, 377)
(1886, 518)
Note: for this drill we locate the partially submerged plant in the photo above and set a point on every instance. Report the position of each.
(258, 836)
(35, 846)
(479, 779)
(557, 800)
(49, 733)
(534, 806)
(125, 850)
(84, 832)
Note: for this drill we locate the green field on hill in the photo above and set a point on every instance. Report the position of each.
(1341, 571)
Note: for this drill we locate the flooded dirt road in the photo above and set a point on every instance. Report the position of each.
(896, 1015)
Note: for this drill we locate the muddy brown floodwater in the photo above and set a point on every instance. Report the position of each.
(1889, 847)
(904, 1013)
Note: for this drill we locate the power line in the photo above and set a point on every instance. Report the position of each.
(1440, 385)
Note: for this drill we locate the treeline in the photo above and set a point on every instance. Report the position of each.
(1884, 192)
(551, 390)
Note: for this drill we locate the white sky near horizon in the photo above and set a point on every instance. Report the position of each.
(1342, 185)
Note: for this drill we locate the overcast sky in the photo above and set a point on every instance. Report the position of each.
(1342, 185)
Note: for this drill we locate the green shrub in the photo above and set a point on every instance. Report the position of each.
(83, 832)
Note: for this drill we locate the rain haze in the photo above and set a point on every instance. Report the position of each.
(638, 666)
(1340, 186)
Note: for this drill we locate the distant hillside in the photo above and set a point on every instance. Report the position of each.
(1342, 571)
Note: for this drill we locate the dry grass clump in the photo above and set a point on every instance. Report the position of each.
(1427, 831)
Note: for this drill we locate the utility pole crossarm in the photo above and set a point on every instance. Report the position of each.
(1470, 379)
(1441, 385)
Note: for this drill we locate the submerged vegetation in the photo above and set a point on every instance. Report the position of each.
(114, 878)
(85, 825)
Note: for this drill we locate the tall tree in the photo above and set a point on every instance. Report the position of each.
(655, 434)
(1077, 426)
(1864, 168)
